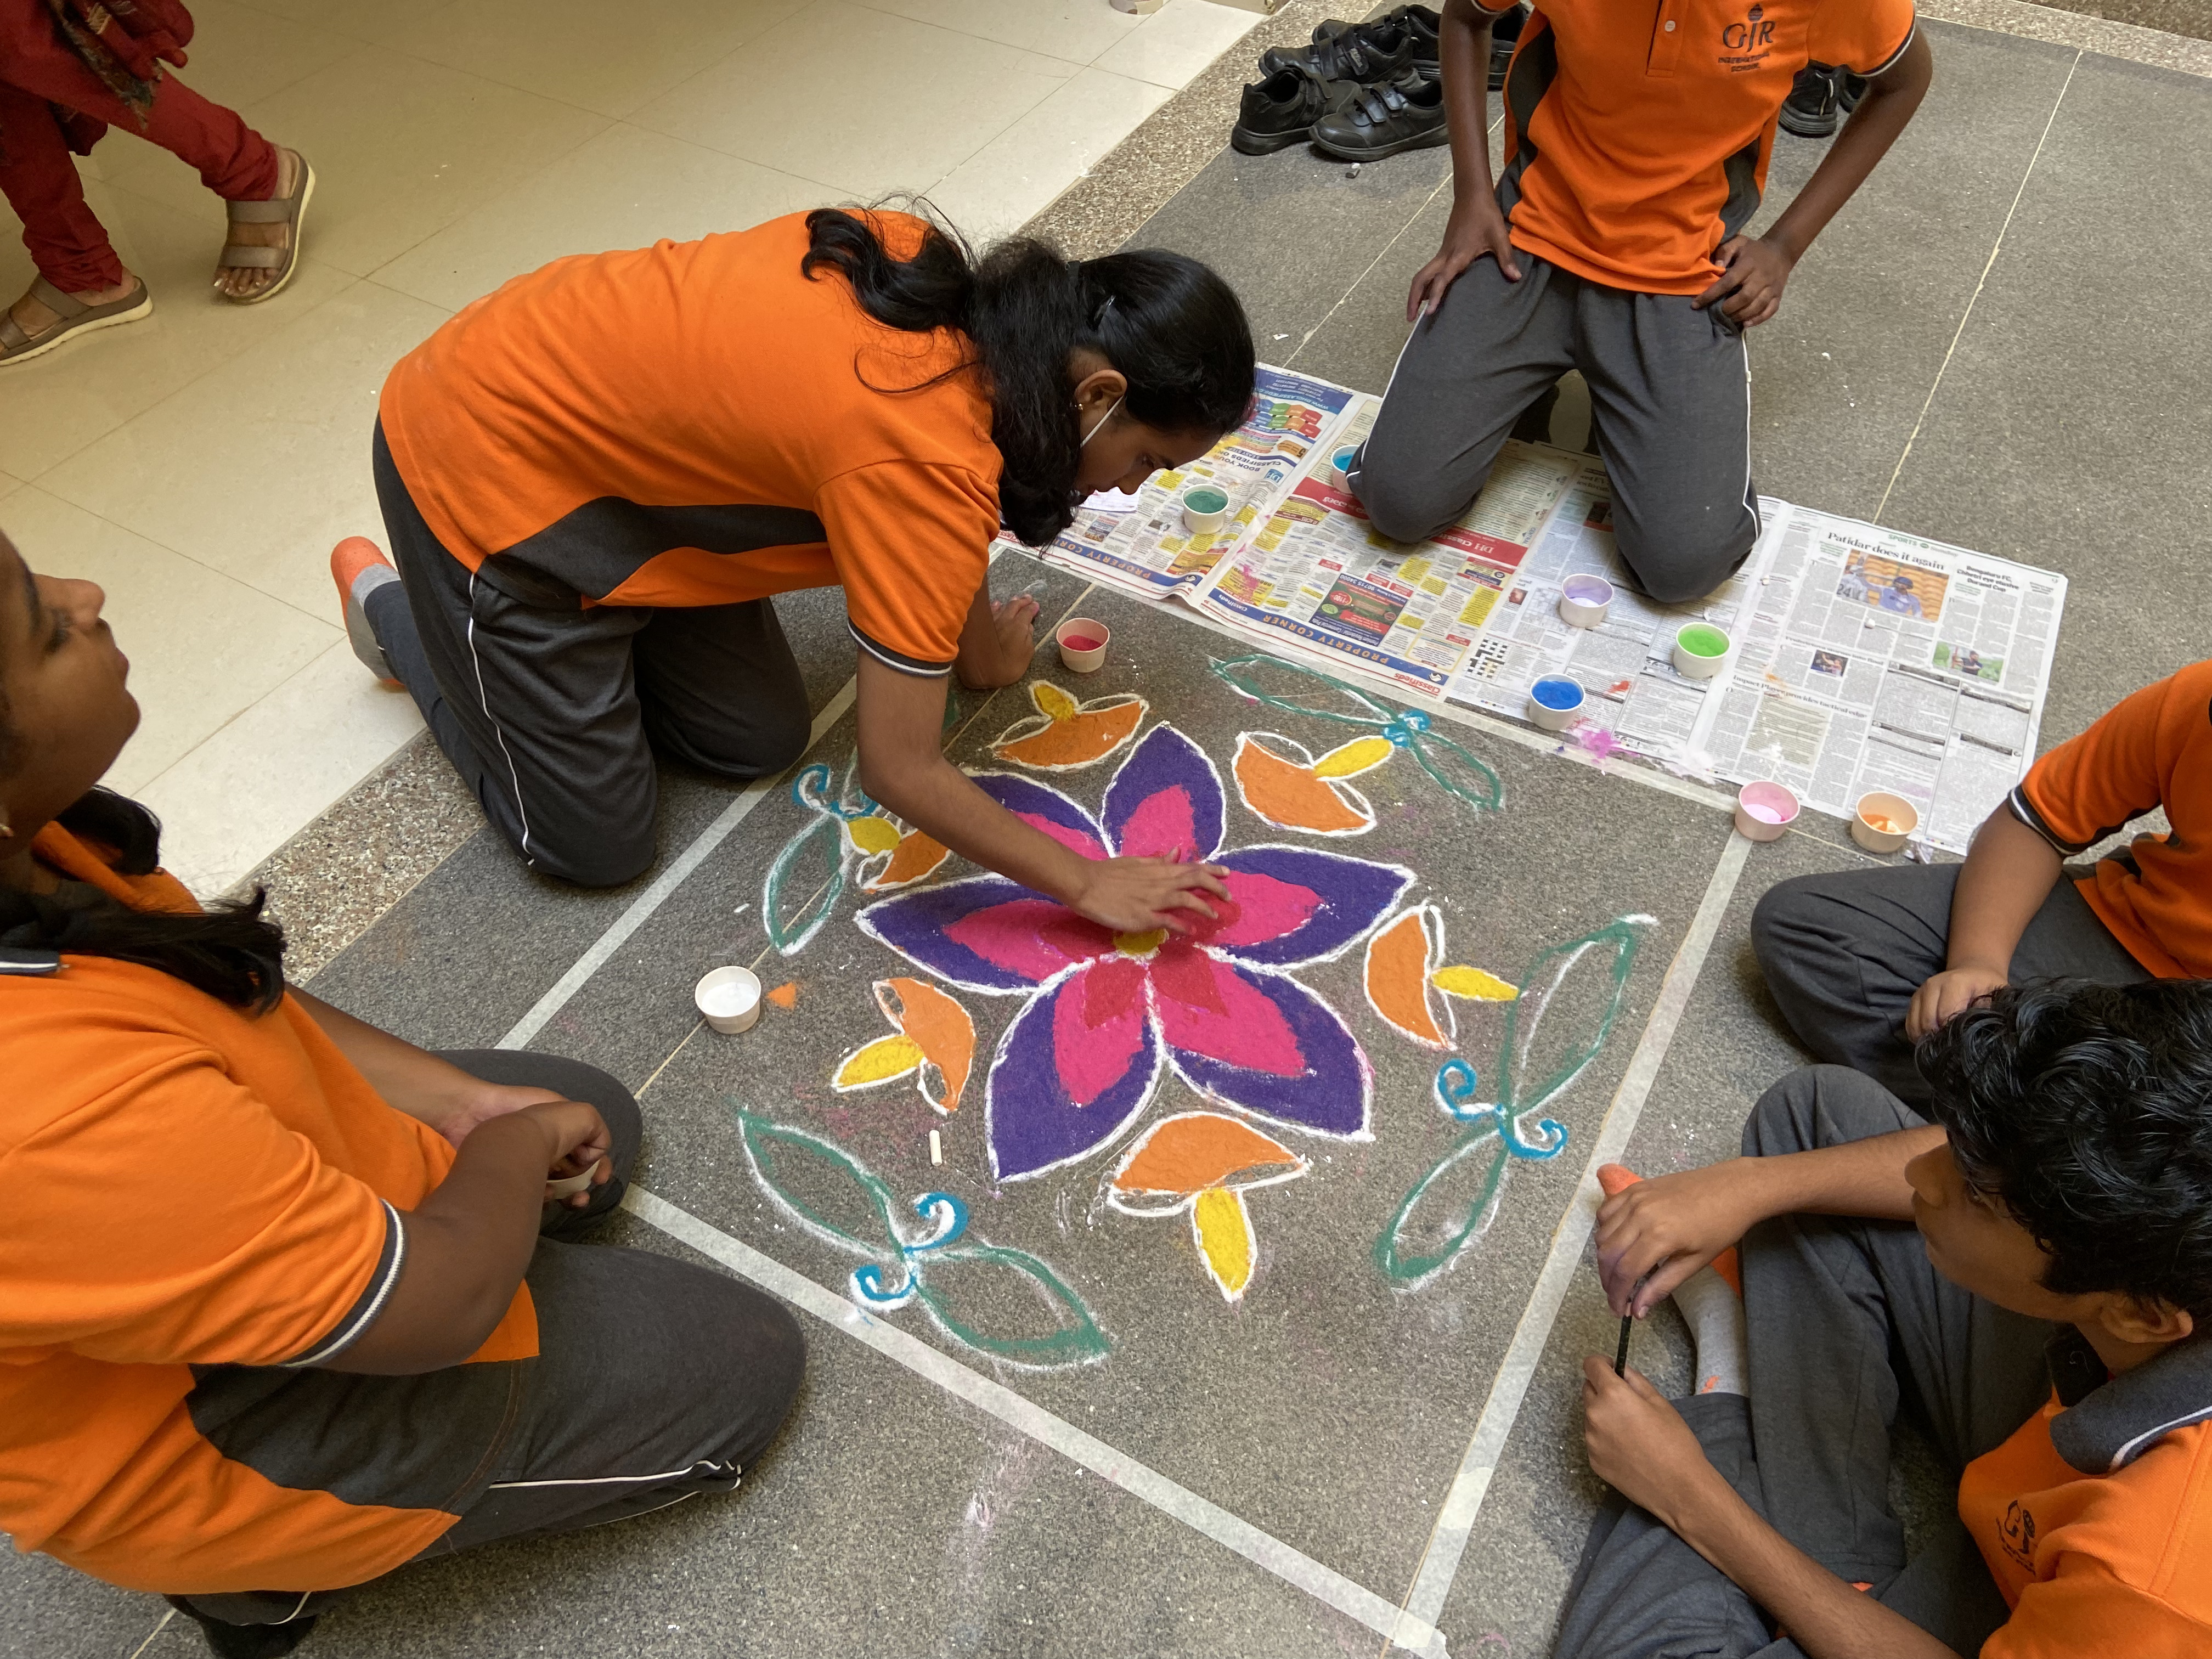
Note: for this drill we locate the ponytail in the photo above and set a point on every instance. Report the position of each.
(1170, 326)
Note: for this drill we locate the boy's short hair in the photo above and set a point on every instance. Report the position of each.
(2085, 1111)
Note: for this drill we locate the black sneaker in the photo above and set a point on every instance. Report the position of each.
(1379, 121)
(1504, 35)
(1814, 109)
(1280, 111)
(246, 1641)
(1368, 54)
(1852, 88)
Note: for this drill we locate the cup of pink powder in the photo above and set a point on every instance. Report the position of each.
(1763, 810)
(1082, 644)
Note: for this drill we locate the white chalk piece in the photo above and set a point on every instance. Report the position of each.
(1082, 644)
(1883, 822)
(936, 1147)
(569, 1186)
(1764, 812)
(729, 999)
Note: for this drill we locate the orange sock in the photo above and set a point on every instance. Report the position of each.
(1618, 1177)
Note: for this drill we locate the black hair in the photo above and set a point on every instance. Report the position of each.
(230, 950)
(2085, 1111)
(1172, 328)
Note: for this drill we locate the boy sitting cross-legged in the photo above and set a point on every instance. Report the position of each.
(2032, 1274)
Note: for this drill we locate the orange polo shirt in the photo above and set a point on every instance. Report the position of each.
(2151, 750)
(697, 423)
(1638, 132)
(2096, 1518)
(188, 1185)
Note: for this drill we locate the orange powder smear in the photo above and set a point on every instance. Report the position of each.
(1398, 979)
(1286, 793)
(1882, 823)
(1199, 1152)
(1080, 738)
(914, 857)
(784, 995)
(942, 1029)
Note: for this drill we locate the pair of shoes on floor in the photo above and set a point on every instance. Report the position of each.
(246, 1641)
(1820, 98)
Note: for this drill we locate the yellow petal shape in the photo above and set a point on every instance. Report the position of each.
(873, 836)
(1349, 761)
(1462, 982)
(1225, 1244)
(1052, 701)
(879, 1062)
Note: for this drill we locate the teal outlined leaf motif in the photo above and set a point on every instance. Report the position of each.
(1454, 1204)
(1467, 778)
(842, 1202)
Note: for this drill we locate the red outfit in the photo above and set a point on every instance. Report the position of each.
(51, 101)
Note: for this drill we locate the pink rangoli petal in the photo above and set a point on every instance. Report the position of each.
(1098, 1027)
(1035, 938)
(1208, 1009)
(1260, 909)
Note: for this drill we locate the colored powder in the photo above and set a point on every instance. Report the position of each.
(1555, 693)
(1082, 642)
(1343, 458)
(784, 995)
(1700, 641)
(1762, 811)
(1882, 823)
(1207, 500)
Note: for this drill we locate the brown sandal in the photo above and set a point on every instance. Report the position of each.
(75, 317)
(280, 209)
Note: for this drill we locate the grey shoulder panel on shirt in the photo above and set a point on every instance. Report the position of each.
(598, 546)
(2112, 1425)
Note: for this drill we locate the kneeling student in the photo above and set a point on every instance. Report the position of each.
(290, 1301)
(2030, 1276)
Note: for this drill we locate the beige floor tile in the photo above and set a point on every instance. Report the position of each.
(625, 188)
(201, 646)
(402, 149)
(1019, 173)
(598, 57)
(1077, 30)
(365, 20)
(1177, 42)
(9, 486)
(908, 104)
(240, 55)
(247, 791)
(54, 406)
(256, 469)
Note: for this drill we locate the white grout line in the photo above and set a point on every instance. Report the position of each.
(1966, 316)
(1455, 1520)
(1139, 1481)
(680, 867)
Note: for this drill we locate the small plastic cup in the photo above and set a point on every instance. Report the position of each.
(1763, 810)
(1082, 644)
(1204, 508)
(1340, 464)
(729, 999)
(1554, 701)
(1584, 599)
(1883, 822)
(1701, 651)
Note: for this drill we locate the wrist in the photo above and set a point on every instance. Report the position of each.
(1981, 961)
(1699, 1511)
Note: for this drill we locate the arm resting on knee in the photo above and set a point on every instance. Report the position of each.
(2009, 873)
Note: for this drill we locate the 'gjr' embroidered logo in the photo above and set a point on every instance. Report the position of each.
(1754, 33)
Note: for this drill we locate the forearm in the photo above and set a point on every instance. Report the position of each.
(1824, 1615)
(410, 1079)
(1463, 52)
(1862, 1178)
(1882, 115)
(2009, 873)
(936, 797)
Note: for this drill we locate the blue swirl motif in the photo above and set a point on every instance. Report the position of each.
(1457, 1082)
(828, 810)
(950, 1217)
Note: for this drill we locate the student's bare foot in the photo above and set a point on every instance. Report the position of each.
(243, 284)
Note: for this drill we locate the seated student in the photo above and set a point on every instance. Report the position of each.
(2045, 1320)
(1636, 148)
(1854, 956)
(286, 1305)
(594, 478)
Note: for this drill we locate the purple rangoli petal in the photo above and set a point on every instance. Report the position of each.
(1045, 809)
(985, 933)
(1034, 1120)
(1329, 1092)
(1272, 884)
(1165, 801)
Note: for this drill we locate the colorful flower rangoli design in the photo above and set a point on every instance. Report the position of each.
(1107, 1014)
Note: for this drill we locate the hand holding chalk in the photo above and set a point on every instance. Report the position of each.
(1638, 1444)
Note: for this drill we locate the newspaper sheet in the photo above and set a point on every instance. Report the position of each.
(1146, 550)
(1314, 578)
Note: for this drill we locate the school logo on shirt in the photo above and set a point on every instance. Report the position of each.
(1748, 44)
(2017, 1534)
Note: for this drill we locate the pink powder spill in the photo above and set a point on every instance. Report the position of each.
(1082, 642)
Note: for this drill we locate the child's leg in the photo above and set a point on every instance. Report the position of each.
(67, 242)
(1469, 370)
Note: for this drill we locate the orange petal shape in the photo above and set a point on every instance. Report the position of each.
(1398, 977)
(1197, 1152)
(1287, 793)
(784, 995)
(940, 1028)
(1070, 734)
(914, 857)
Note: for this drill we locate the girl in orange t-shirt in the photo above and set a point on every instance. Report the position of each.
(290, 1302)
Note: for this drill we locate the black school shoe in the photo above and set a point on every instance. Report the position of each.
(1369, 54)
(1280, 111)
(1504, 35)
(1820, 98)
(1379, 121)
(246, 1641)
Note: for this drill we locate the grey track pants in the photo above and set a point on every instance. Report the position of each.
(1849, 1323)
(552, 713)
(1670, 399)
(1843, 953)
(655, 1381)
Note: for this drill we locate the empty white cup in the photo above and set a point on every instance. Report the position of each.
(729, 999)
(1584, 599)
